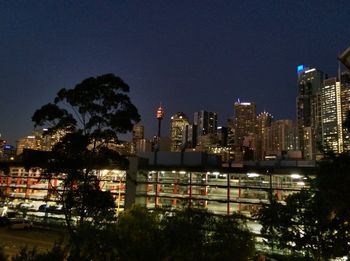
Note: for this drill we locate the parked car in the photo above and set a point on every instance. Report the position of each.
(25, 205)
(20, 223)
(43, 207)
(57, 209)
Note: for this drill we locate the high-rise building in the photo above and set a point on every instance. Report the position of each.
(345, 107)
(244, 127)
(221, 133)
(310, 81)
(206, 122)
(281, 137)
(189, 136)
(40, 140)
(332, 124)
(138, 132)
(264, 120)
(138, 136)
(177, 127)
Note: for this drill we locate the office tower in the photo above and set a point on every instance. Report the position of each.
(138, 132)
(231, 139)
(230, 133)
(29, 142)
(177, 127)
(244, 128)
(332, 128)
(222, 133)
(309, 108)
(281, 137)
(345, 107)
(138, 135)
(206, 122)
(189, 136)
(39, 140)
(264, 120)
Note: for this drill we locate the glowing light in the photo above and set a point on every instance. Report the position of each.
(295, 176)
(300, 68)
(311, 70)
(252, 175)
(160, 113)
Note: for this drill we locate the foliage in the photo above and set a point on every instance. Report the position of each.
(163, 234)
(186, 234)
(3, 256)
(88, 118)
(300, 225)
(315, 221)
(231, 239)
(334, 181)
(138, 234)
(56, 253)
(94, 243)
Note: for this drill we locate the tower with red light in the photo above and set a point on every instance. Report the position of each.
(160, 116)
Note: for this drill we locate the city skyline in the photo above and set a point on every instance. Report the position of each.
(174, 53)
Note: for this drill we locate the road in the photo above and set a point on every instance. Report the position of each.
(42, 239)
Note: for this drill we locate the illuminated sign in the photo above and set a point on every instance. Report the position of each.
(300, 68)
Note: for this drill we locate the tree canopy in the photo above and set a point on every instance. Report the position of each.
(87, 119)
(315, 221)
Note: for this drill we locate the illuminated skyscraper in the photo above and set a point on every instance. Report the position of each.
(138, 138)
(206, 122)
(308, 108)
(178, 123)
(40, 140)
(244, 128)
(138, 132)
(281, 137)
(332, 129)
(264, 120)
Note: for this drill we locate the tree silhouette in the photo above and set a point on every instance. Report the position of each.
(89, 119)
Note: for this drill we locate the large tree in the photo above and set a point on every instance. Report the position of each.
(315, 221)
(183, 234)
(89, 119)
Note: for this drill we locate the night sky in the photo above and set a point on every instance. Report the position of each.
(189, 55)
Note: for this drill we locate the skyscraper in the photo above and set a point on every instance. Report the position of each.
(138, 132)
(206, 122)
(345, 107)
(281, 137)
(244, 128)
(264, 120)
(177, 130)
(332, 129)
(309, 109)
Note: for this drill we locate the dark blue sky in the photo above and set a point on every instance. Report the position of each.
(190, 55)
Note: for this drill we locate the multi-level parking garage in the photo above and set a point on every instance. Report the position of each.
(221, 192)
(174, 181)
(28, 191)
